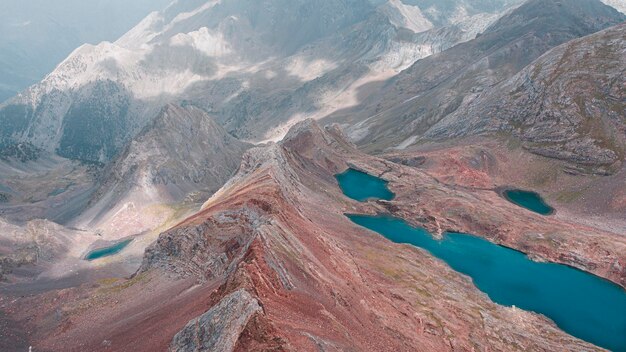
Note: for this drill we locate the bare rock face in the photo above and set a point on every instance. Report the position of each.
(208, 250)
(218, 329)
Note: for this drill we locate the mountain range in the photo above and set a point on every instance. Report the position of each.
(232, 61)
(204, 145)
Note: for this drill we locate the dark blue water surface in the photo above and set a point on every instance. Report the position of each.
(529, 200)
(361, 186)
(107, 251)
(580, 303)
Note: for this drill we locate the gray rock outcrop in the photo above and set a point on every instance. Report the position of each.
(219, 328)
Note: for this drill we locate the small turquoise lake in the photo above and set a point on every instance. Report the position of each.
(361, 186)
(107, 251)
(529, 200)
(581, 304)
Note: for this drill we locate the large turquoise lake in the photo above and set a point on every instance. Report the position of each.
(107, 251)
(529, 200)
(581, 304)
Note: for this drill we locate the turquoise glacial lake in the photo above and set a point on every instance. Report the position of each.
(581, 304)
(362, 187)
(529, 200)
(107, 251)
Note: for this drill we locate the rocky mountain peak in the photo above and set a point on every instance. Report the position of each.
(579, 17)
(182, 153)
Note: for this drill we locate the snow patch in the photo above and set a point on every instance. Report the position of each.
(307, 70)
(211, 44)
(406, 16)
(186, 15)
(141, 34)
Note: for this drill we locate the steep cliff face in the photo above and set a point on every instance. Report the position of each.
(183, 155)
(405, 109)
(568, 105)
